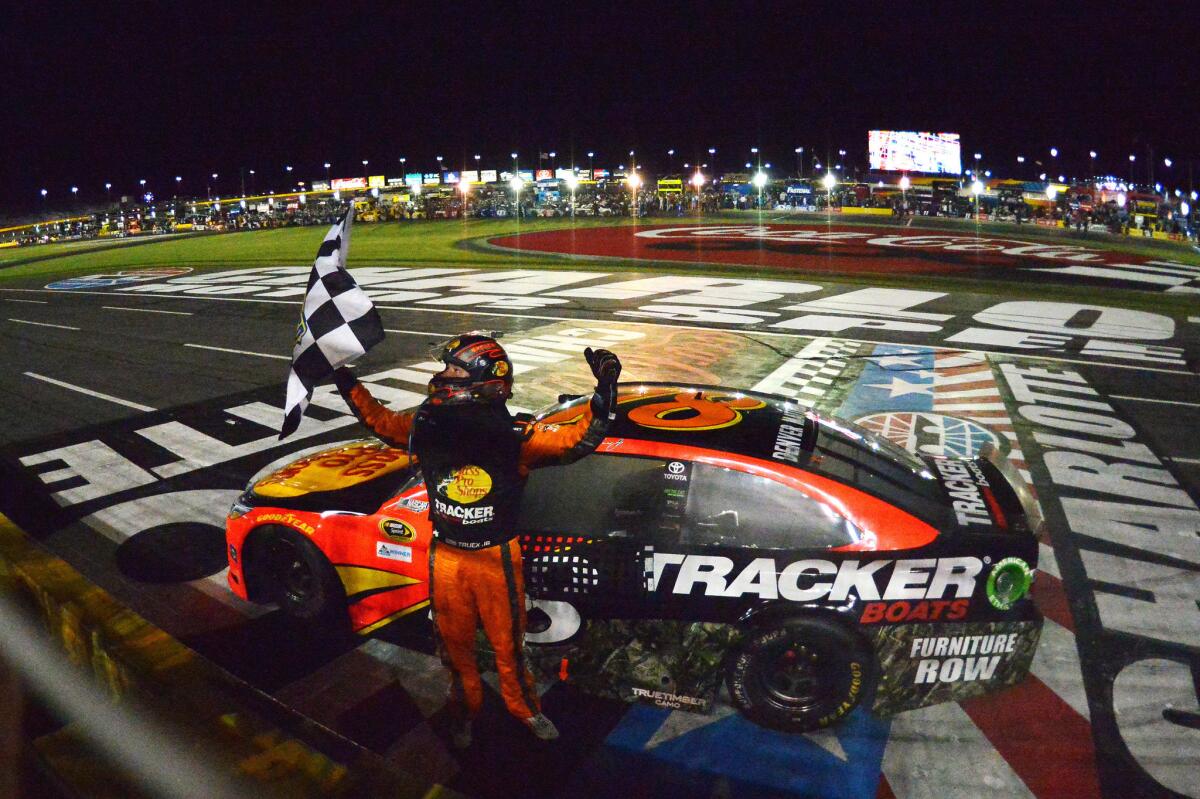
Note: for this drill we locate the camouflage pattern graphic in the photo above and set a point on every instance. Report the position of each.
(669, 663)
(925, 664)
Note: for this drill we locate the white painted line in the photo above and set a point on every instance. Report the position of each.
(624, 321)
(1183, 460)
(1149, 399)
(144, 310)
(239, 352)
(1195, 319)
(90, 393)
(31, 302)
(419, 333)
(42, 324)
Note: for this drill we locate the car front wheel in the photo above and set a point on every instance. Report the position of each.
(302, 580)
(800, 674)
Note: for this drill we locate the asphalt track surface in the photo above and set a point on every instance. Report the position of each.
(133, 414)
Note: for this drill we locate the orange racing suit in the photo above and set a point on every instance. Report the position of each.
(475, 468)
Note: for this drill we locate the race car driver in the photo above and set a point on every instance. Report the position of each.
(474, 457)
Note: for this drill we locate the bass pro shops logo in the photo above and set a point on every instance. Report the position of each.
(466, 484)
(815, 580)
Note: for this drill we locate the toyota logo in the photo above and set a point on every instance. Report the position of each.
(676, 467)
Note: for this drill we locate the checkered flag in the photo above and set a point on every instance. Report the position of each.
(339, 324)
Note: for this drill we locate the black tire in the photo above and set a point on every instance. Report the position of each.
(302, 580)
(800, 674)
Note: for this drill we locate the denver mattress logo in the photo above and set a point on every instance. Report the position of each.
(810, 580)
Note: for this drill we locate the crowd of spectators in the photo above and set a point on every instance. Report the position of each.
(1078, 209)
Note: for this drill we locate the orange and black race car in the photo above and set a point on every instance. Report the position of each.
(714, 534)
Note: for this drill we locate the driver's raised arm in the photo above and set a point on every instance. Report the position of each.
(559, 444)
(392, 427)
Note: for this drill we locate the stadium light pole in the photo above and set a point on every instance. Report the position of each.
(572, 184)
(108, 190)
(977, 189)
(904, 184)
(478, 175)
(327, 170)
(670, 161)
(74, 193)
(799, 151)
(759, 180)
(591, 171)
(712, 157)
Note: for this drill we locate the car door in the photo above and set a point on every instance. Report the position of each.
(584, 528)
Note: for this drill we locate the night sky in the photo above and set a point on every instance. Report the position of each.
(128, 91)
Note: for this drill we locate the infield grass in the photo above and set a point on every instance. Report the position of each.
(453, 243)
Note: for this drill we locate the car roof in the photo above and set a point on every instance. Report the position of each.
(746, 423)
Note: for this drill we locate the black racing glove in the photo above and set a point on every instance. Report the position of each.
(344, 379)
(605, 365)
(607, 368)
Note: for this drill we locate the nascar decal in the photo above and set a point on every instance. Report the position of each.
(968, 490)
(414, 505)
(397, 530)
(811, 579)
(466, 484)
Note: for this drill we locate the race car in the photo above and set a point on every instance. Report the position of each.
(714, 534)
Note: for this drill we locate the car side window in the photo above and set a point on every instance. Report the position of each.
(601, 495)
(726, 507)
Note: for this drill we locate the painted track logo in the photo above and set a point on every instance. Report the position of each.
(932, 433)
(121, 278)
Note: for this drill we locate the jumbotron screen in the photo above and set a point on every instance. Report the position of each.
(906, 151)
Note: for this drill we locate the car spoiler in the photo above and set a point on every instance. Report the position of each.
(990, 454)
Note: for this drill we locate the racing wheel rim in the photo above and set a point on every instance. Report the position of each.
(296, 578)
(792, 676)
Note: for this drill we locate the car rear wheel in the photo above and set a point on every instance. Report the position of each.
(800, 674)
(302, 580)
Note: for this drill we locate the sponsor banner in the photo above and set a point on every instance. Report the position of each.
(470, 175)
(342, 184)
(431, 179)
(564, 174)
(487, 175)
(376, 181)
(928, 664)
(544, 174)
(394, 182)
(413, 178)
(450, 177)
(320, 185)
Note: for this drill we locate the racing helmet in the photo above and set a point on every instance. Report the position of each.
(490, 373)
